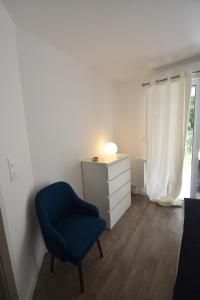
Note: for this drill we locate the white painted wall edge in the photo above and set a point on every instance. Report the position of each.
(36, 274)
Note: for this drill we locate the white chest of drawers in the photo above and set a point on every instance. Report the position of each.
(107, 184)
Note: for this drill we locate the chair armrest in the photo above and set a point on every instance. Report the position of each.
(54, 242)
(87, 208)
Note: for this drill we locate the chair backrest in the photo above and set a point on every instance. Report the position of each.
(54, 202)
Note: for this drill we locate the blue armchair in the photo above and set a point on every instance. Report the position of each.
(69, 225)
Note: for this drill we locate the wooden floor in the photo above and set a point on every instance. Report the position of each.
(140, 260)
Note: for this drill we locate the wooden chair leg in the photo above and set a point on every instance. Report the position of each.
(81, 278)
(52, 263)
(100, 249)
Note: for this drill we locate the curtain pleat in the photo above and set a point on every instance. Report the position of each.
(167, 118)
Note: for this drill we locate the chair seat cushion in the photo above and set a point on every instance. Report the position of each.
(80, 232)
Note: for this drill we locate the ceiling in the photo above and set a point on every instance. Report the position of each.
(120, 38)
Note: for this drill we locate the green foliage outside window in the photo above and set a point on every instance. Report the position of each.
(189, 138)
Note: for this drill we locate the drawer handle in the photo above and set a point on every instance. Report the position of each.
(118, 202)
(108, 181)
(118, 189)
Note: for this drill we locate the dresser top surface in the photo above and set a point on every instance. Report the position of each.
(106, 159)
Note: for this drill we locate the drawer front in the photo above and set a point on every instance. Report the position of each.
(117, 212)
(118, 168)
(117, 182)
(115, 198)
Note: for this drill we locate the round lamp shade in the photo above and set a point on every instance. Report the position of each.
(110, 148)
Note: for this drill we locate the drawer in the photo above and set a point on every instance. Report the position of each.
(115, 198)
(117, 182)
(117, 212)
(118, 168)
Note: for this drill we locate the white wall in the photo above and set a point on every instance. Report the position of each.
(132, 117)
(69, 115)
(17, 203)
(131, 127)
(54, 112)
(68, 110)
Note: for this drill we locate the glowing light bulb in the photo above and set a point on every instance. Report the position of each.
(110, 148)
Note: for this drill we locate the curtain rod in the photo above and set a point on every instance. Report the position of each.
(165, 79)
(161, 80)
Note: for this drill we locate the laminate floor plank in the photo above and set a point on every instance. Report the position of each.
(140, 260)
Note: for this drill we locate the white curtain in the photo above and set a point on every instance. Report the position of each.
(167, 118)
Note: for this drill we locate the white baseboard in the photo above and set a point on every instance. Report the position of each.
(35, 275)
(138, 190)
